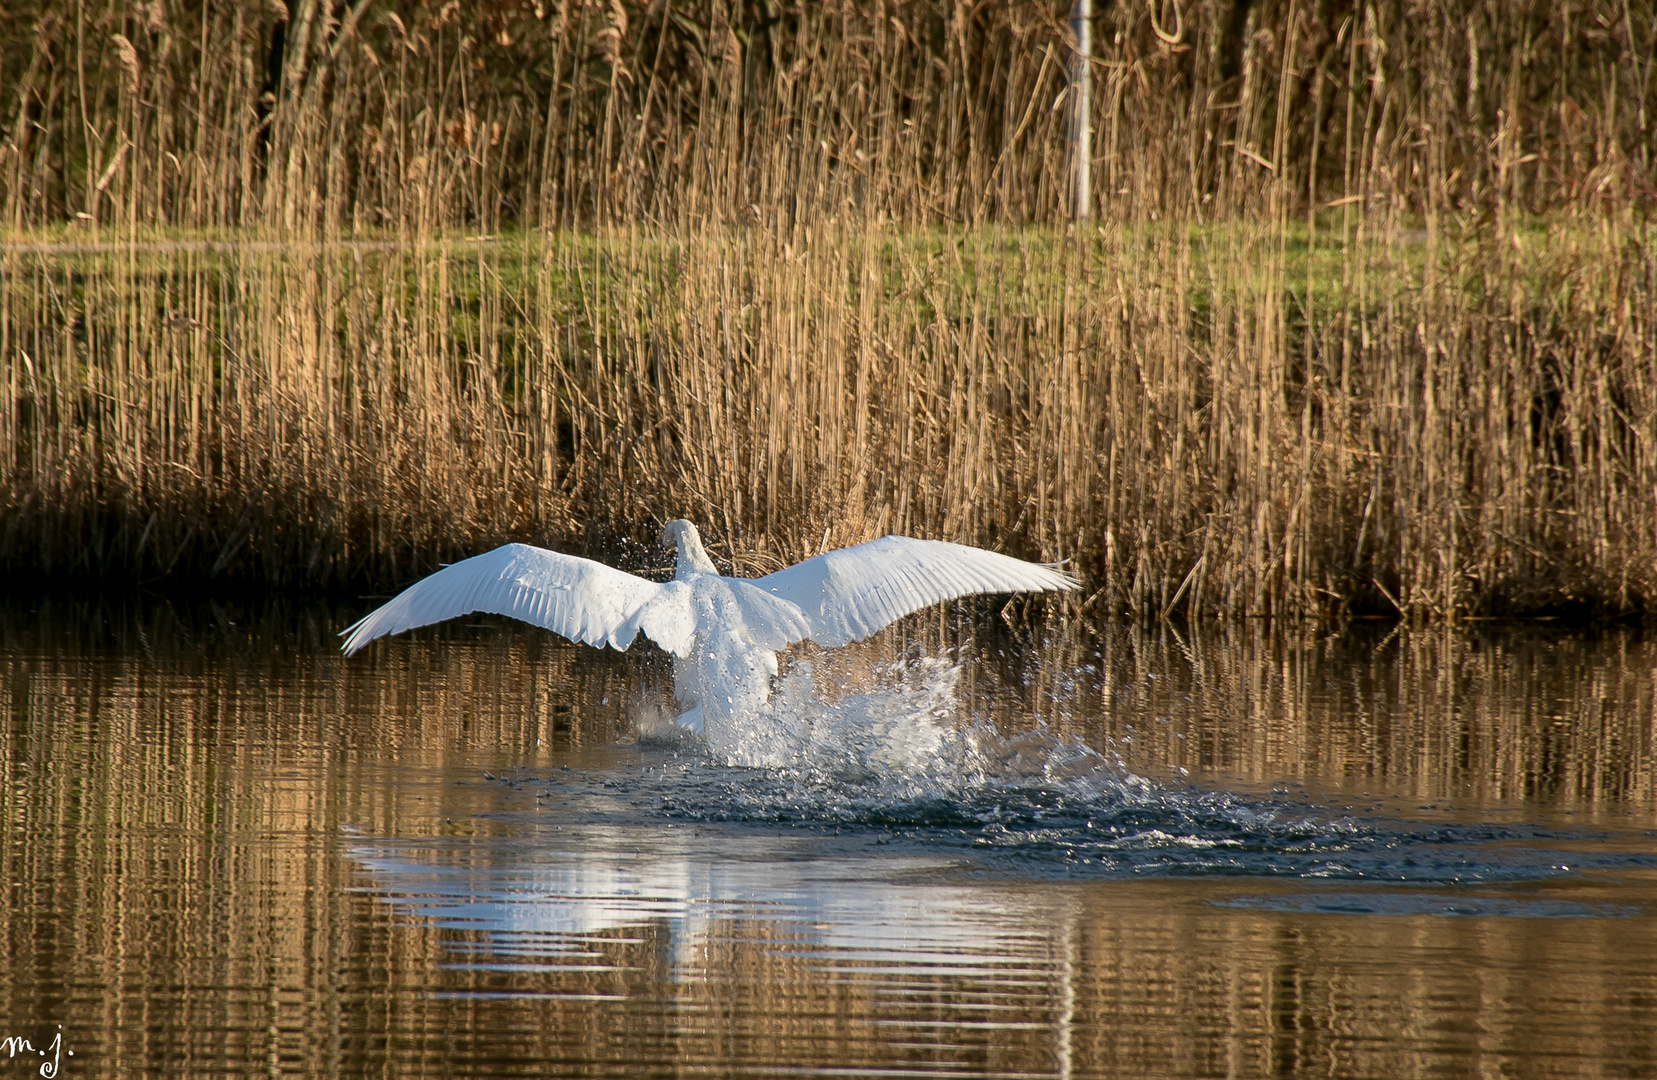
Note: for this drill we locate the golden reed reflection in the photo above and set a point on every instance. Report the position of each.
(182, 793)
(1517, 714)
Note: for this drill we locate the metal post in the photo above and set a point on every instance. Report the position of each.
(1081, 113)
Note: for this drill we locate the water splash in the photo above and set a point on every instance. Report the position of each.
(903, 765)
(904, 739)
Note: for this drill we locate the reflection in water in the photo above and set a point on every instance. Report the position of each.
(523, 903)
(228, 851)
(1567, 722)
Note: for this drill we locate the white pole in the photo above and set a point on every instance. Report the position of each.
(1081, 82)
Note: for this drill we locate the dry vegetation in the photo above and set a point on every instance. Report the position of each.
(1363, 320)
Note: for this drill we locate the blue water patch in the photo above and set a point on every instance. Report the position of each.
(1386, 902)
(1097, 822)
(900, 770)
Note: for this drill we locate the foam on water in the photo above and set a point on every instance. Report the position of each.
(903, 764)
(906, 737)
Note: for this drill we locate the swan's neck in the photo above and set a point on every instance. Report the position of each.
(693, 558)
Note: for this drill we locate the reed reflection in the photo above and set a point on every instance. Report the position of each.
(1559, 720)
(228, 852)
(757, 959)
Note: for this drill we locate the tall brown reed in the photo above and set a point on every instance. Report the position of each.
(1365, 322)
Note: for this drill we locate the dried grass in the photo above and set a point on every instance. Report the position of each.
(1364, 320)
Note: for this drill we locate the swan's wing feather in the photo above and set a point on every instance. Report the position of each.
(848, 594)
(772, 622)
(583, 600)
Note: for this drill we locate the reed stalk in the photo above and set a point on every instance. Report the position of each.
(322, 295)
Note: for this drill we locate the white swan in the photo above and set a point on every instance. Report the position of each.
(724, 632)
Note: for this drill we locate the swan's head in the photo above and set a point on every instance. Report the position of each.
(687, 542)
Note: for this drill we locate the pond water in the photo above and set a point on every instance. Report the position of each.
(977, 846)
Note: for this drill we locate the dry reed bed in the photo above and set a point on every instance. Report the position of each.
(1364, 320)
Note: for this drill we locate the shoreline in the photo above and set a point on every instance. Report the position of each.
(1315, 433)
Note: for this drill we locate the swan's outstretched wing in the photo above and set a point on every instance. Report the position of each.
(583, 600)
(851, 593)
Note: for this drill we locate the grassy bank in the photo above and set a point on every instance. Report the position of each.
(1362, 321)
(1210, 420)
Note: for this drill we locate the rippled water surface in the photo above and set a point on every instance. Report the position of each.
(1034, 849)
